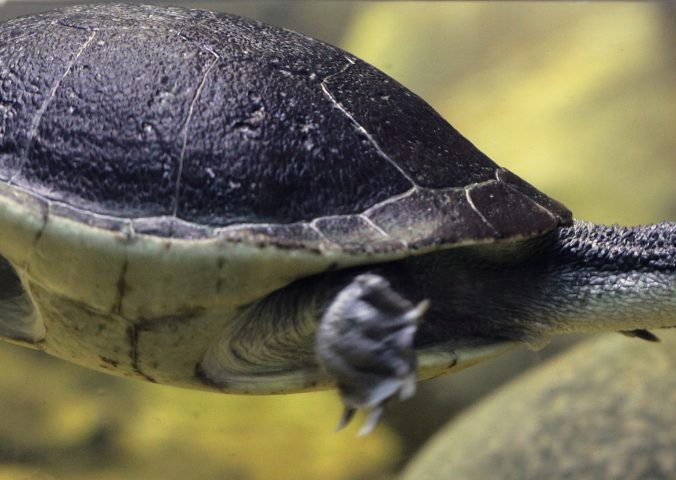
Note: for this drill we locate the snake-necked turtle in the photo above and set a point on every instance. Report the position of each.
(207, 201)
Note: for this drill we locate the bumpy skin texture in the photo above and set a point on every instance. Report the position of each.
(174, 116)
(581, 278)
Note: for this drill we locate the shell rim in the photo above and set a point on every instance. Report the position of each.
(168, 228)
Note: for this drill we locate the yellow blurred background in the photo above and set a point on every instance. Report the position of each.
(577, 98)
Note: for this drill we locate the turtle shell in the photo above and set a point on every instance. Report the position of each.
(189, 124)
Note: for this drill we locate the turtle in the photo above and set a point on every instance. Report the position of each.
(207, 201)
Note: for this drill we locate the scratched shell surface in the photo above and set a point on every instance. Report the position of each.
(188, 124)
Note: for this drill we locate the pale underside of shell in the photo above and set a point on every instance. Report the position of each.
(164, 309)
(146, 201)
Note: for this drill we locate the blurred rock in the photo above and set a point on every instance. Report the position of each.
(440, 399)
(604, 410)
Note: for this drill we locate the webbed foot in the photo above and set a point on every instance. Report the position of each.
(365, 342)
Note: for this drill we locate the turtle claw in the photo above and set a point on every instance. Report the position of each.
(365, 342)
(370, 421)
(348, 414)
(376, 406)
(407, 389)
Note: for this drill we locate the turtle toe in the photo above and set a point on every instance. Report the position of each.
(372, 395)
(365, 342)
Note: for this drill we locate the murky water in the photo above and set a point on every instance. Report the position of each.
(577, 98)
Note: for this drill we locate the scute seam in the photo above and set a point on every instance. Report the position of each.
(516, 190)
(35, 122)
(17, 39)
(184, 130)
(132, 336)
(312, 225)
(356, 124)
(372, 224)
(178, 228)
(468, 195)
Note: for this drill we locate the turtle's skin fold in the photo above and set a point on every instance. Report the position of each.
(203, 200)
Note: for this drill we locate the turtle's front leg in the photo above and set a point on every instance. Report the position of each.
(365, 342)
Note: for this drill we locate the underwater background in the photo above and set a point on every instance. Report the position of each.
(577, 98)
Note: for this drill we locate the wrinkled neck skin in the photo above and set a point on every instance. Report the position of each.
(583, 278)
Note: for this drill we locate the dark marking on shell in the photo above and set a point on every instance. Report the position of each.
(121, 286)
(109, 362)
(132, 336)
(45, 220)
(453, 362)
(280, 243)
(181, 315)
